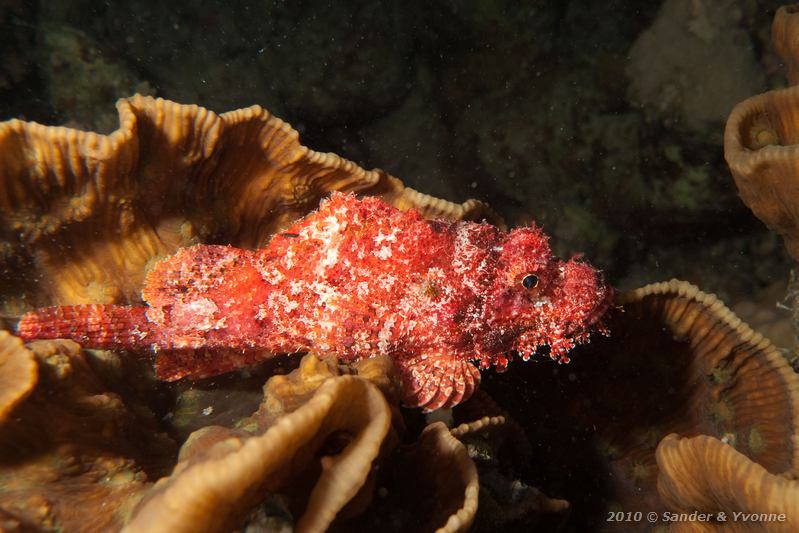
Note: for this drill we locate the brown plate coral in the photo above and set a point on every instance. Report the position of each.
(84, 214)
(760, 142)
(703, 474)
(785, 38)
(316, 443)
(314, 438)
(18, 373)
(71, 444)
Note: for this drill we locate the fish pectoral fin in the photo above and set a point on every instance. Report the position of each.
(437, 381)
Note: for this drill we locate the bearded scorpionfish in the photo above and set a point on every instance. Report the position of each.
(355, 278)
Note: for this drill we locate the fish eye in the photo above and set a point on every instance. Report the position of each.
(530, 281)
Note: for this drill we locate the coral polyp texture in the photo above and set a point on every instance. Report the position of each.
(354, 279)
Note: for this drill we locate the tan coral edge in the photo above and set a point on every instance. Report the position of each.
(367, 178)
(350, 465)
(741, 158)
(468, 428)
(462, 519)
(14, 356)
(223, 477)
(730, 319)
(685, 451)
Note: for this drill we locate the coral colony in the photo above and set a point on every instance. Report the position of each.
(354, 279)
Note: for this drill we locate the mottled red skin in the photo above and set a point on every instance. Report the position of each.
(355, 278)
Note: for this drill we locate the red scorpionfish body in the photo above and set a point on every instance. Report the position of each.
(355, 278)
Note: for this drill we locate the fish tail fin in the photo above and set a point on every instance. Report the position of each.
(92, 326)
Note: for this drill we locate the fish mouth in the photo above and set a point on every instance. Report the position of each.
(536, 339)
